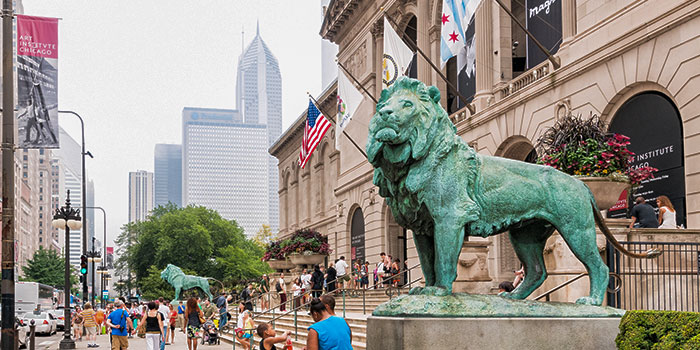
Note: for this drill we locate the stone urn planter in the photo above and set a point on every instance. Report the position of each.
(605, 191)
(304, 259)
(280, 264)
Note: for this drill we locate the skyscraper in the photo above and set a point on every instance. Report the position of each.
(259, 99)
(167, 175)
(140, 195)
(224, 164)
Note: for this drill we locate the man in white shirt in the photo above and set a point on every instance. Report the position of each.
(341, 267)
(165, 311)
(305, 284)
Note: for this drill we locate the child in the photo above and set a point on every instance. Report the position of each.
(269, 338)
(244, 327)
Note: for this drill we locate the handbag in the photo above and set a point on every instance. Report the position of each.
(141, 328)
(201, 318)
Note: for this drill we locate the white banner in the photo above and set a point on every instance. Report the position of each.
(349, 99)
(397, 56)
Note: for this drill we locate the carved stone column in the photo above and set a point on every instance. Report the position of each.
(423, 19)
(284, 209)
(484, 55)
(378, 35)
(568, 21)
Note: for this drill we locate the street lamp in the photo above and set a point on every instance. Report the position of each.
(103, 267)
(93, 256)
(102, 271)
(69, 219)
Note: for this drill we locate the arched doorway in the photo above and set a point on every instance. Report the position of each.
(395, 236)
(357, 235)
(653, 124)
(519, 148)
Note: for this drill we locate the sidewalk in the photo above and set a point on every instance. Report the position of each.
(137, 343)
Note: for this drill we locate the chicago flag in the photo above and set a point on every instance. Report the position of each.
(456, 15)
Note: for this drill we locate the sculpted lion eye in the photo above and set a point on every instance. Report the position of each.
(407, 104)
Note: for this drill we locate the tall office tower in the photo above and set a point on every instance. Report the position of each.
(140, 195)
(167, 174)
(57, 187)
(47, 239)
(259, 99)
(329, 69)
(69, 159)
(224, 166)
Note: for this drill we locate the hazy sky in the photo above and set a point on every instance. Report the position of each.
(129, 67)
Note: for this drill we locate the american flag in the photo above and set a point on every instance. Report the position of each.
(316, 127)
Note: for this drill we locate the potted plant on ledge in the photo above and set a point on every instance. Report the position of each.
(583, 148)
(275, 257)
(306, 247)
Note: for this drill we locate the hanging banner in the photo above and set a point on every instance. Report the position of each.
(543, 20)
(37, 81)
(466, 63)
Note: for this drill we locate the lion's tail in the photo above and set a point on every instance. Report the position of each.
(651, 253)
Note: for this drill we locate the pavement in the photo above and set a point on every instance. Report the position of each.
(137, 343)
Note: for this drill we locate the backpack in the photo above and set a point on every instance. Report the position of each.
(278, 287)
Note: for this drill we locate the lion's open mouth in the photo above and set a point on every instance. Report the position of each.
(386, 135)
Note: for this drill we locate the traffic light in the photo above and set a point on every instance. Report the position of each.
(83, 264)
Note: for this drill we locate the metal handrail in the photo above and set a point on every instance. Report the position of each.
(568, 282)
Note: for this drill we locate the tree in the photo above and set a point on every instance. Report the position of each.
(264, 236)
(47, 267)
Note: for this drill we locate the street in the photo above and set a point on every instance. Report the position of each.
(135, 343)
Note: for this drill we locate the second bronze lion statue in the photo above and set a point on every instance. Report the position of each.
(441, 189)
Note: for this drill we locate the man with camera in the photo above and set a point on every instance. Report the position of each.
(118, 321)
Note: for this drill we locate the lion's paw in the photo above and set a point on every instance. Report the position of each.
(415, 291)
(588, 301)
(436, 291)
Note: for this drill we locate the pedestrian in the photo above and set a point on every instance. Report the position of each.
(505, 286)
(364, 275)
(317, 282)
(193, 322)
(118, 321)
(152, 320)
(269, 337)
(296, 292)
(77, 321)
(135, 312)
(667, 214)
(328, 331)
(281, 288)
(100, 318)
(222, 304)
(305, 285)
(181, 316)
(164, 312)
(341, 268)
(331, 278)
(356, 276)
(209, 310)
(329, 301)
(244, 326)
(264, 290)
(379, 273)
(643, 215)
(90, 325)
(395, 276)
(246, 296)
(172, 321)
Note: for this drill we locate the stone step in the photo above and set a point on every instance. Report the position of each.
(297, 344)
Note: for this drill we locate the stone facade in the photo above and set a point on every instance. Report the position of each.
(611, 51)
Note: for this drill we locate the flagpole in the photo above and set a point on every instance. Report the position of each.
(555, 60)
(464, 100)
(333, 121)
(356, 81)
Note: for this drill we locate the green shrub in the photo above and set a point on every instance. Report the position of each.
(659, 330)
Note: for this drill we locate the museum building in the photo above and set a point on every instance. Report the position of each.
(636, 64)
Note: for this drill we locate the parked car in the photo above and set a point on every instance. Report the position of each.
(60, 319)
(46, 322)
(23, 332)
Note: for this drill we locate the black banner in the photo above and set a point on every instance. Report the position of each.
(543, 21)
(357, 236)
(466, 79)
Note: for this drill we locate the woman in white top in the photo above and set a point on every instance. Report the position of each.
(667, 215)
(296, 292)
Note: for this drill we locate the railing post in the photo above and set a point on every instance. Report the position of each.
(273, 315)
(364, 304)
(343, 303)
(296, 330)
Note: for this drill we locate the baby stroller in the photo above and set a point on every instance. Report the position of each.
(210, 335)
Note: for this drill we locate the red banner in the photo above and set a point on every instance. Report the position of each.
(37, 82)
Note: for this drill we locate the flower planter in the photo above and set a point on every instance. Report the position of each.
(605, 191)
(302, 259)
(280, 264)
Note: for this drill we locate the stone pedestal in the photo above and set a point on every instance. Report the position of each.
(427, 333)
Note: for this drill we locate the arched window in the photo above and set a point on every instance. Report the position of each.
(357, 235)
(653, 124)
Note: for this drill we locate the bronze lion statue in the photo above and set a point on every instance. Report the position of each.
(180, 281)
(441, 189)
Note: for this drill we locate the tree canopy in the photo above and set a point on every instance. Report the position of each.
(47, 267)
(196, 239)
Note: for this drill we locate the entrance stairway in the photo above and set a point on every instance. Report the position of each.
(353, 308)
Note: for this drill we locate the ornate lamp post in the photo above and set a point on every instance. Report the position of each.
(69, 219)
(102, 271)
(94, 257)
